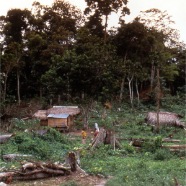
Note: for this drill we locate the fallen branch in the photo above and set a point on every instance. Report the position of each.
(171, 140)
(36, 170)
(5, 138)
(175, 146)
(11, 157)
(39, 175)
(6, 174)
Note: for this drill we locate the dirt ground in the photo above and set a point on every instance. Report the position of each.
(81, 179)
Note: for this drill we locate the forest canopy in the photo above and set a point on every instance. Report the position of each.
(58, 50)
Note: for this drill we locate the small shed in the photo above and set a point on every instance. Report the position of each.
(57, 116)
(59, 120)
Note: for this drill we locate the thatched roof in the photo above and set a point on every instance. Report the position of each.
(70, 110)
(41, 114)
(165, 118)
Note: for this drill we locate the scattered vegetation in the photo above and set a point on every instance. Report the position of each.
(127, 166)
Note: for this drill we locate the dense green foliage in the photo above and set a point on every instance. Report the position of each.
(52, 145)
(57, 51)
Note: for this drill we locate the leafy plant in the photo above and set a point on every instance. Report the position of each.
(162, 154)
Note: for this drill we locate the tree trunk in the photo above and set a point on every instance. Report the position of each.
(105, 137)
(152, 77)
(59, 99)
(40, 93)
(130, 90)
(105, 31)
(18, 87)
(158, 101)
(121, 89)
(137, 91)
(68, 87)
(5, 86)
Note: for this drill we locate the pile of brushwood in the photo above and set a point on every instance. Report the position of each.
(35, 170)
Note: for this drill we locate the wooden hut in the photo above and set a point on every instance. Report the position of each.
(61, 117)
(59, 120)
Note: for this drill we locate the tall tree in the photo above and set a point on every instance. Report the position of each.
(165, 37)
(94, 24)
(132, 44)
(53, 32)
(105, 8)
(161, 22)
(15, 25)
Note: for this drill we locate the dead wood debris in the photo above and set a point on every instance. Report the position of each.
(36, 170)
(4, 138)
(11, 157)
(105, 137)
(181, 147)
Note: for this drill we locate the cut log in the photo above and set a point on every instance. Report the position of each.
(11, 157)
(4, 175)
(105, 137)
(38, 170)
(177, 150)
(171, 140)
(72, 161)
(44, 170)
(183, 146)
(58, 167)
(39, 175)
(143, 139)
(5, 138)
(137, 142)
(100, 138)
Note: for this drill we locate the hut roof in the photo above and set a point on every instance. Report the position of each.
(40, 114)
(56, 110)
(58, 116)
(71, 110)
(165, 118)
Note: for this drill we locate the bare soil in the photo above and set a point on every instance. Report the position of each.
(79, 178)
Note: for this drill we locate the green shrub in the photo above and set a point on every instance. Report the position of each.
(53, 135)
(162, 154)
(20, 124)
(37, 147)
(151, 145)
(52, 145)
(158, 142)
(129, 149)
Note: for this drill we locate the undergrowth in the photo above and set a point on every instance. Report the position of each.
(128, 166)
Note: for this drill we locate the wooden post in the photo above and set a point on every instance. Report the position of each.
(158, 100)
